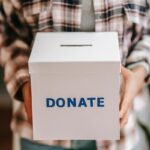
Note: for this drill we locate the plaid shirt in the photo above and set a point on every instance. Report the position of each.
(20, 20)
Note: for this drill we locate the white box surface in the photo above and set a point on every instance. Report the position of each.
(80, 74)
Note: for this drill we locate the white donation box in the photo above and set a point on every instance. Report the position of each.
(75, 80)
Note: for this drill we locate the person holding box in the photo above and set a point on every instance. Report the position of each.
(19, 22)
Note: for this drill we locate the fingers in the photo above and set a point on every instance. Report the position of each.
(128, 92)
(123, 107)
(122, 89)
(28, 111)
(124, 120)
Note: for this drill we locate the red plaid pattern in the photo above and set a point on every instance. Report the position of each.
(20, 20)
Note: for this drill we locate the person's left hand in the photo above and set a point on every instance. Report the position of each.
(132, 84)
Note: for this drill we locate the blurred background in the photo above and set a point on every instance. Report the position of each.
(5, 116)
(8, 140)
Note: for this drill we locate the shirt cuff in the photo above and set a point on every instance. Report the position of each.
(14, 86)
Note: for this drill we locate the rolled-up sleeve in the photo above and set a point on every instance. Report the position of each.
(16, 38)
(139, 42)
(140, 55)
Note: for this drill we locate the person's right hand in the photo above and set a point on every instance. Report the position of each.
(27, 100)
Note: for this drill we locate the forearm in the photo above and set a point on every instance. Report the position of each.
(140, 73)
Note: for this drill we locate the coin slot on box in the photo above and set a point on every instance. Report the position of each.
(76, 45)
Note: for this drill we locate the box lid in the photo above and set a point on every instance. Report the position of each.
(69, 47)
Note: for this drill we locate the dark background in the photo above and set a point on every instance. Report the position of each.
(5, 116)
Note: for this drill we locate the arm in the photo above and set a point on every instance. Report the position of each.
(18, 24)
(136, 74)
(16, 39)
